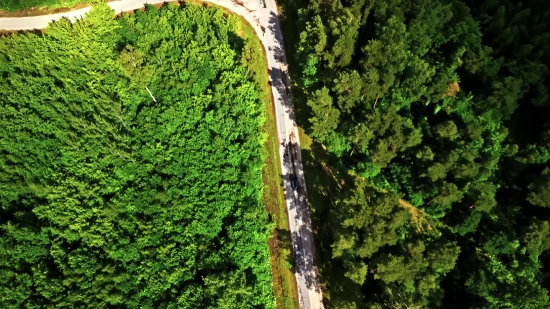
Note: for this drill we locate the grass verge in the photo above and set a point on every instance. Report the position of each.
(280, 247)
(35, 8)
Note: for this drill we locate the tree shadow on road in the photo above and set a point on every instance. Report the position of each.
(326, 178)
(289, 23)
(290, 82)
(278, 81)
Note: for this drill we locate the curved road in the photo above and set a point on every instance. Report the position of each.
(263, 17)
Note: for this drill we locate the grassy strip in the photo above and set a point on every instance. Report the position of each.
(18, 5)
(35, 9)
(280, 247)
(284, 281)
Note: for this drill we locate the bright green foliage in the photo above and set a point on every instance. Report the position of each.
(14, 5)
(438, 112)
(369, 225)
(506, 276)
(540, 190)
(416, 269)
(536, 237)
(343, 28)
(322, 105)
(111, 198)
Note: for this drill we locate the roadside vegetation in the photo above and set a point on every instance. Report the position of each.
(280, 246)
(131, 166)
(16, 5)
(426, 149)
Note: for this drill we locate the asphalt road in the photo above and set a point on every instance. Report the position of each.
(263, 16)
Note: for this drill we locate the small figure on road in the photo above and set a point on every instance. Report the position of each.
(294, 182)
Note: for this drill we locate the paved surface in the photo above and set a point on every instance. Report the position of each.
(263, 16)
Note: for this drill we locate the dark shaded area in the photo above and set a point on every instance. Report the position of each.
(474, 185)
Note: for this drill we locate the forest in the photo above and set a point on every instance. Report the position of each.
(434, 117)
(131, 164)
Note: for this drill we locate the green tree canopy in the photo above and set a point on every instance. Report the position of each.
(130, 173)
(437, 114)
